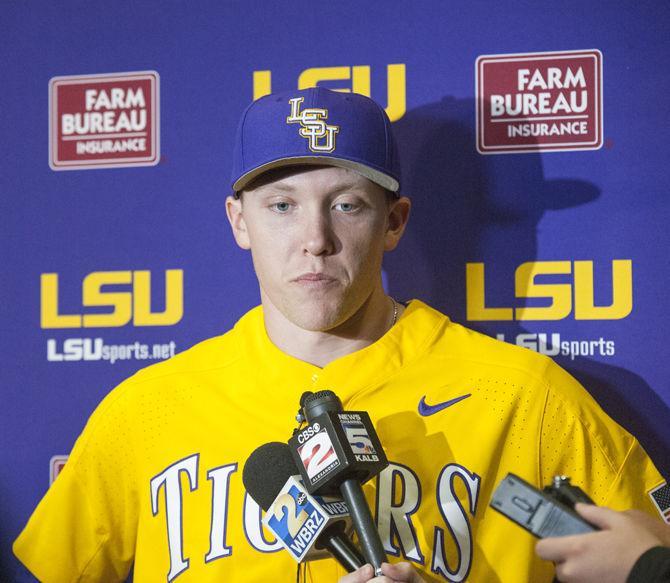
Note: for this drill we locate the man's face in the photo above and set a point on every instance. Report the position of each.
(317, 237)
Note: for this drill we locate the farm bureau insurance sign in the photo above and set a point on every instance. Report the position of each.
(539, 102)
(109, 120)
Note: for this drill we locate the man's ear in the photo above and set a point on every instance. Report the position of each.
(397, 221)
(237, 223)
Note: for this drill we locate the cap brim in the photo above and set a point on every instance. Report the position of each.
(384, 180)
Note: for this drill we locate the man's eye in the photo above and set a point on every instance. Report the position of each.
(281, 207)
(345, 207)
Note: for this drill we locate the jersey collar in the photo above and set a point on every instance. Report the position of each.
(354, 373)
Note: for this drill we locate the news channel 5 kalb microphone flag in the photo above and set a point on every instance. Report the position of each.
(338, 451)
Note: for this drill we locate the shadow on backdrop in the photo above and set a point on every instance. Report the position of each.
(474, 208)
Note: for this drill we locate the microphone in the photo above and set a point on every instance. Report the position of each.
(306, 525)
(339, 451)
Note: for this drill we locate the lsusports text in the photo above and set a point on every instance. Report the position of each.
(93, 349)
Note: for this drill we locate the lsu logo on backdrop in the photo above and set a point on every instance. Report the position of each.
(539, 102)
(576, 297)
(360, 82)
(132, 303)
(313, 126)
(104, 121)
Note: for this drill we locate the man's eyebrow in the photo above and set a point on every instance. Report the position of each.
(354, 185)
(348, 186)
(278, 186)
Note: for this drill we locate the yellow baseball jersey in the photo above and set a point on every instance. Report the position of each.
(155, 478)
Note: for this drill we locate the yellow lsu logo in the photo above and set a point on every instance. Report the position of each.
(313, 125)
(560, 294)
(134, 304)
(360, 83)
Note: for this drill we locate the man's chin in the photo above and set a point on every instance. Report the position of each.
(315, 317)
(314, 322)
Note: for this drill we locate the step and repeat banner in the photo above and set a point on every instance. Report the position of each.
(534, 148)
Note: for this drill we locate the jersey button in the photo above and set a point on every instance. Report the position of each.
(315, 377)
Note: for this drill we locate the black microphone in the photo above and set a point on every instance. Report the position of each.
(339, 451)
(304, 524)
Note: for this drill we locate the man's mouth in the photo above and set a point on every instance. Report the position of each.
(314, 278)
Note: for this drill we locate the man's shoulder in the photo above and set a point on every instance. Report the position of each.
(210, 361)
(213, 353)
(487, 361)
(459, 343)
(515, 370)
(207, 356)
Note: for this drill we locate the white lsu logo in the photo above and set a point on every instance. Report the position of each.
(313, 127)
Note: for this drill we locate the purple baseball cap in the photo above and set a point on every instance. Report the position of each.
(316, 126)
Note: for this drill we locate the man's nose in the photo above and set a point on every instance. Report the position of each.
(318, 235)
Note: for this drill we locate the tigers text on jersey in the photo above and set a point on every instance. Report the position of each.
(155, 478)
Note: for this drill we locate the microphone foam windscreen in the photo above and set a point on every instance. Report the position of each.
(266, 471)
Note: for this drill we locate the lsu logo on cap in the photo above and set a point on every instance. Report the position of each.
(313, 126)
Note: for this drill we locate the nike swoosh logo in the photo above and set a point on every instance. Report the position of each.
(425, 409)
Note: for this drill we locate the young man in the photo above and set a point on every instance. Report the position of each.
(155, 480)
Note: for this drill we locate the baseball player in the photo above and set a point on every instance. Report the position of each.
(154, 481)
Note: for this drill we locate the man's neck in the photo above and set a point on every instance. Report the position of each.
(369, 323)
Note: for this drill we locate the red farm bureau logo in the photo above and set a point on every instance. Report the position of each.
(539, 102)
(104, 121)
(56, 465)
